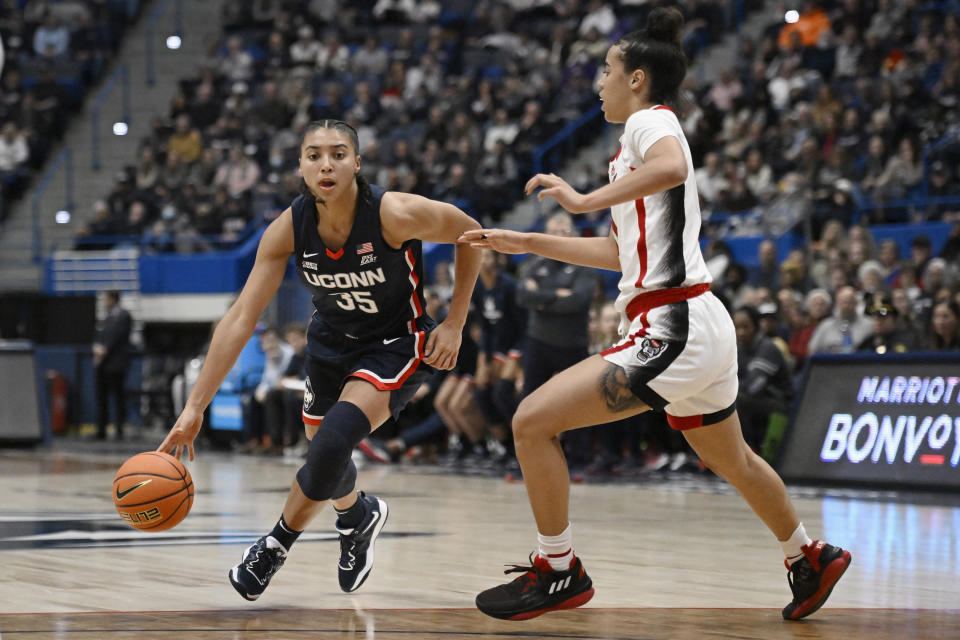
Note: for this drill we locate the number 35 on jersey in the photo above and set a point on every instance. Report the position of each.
(355, 298)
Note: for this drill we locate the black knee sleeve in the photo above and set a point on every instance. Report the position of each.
(348, 481)
(328, 467)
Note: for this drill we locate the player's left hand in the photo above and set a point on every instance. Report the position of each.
(557, 188)
(443, 345)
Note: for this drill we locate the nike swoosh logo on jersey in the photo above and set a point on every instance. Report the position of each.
(310, 255)
(385, 341)
(122, 494)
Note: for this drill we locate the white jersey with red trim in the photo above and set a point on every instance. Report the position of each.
(657, 235)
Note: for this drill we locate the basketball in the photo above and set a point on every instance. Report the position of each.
(153, 491)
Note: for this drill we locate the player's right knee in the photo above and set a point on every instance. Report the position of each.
(328, 456)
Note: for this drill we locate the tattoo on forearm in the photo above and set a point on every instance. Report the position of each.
(617, 393)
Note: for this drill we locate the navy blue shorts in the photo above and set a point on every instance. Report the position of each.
(391, 364)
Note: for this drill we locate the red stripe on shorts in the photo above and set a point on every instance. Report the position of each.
(683, 423)
(630, 341)
(659, 297)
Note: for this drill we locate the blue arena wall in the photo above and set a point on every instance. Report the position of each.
(227, 271)
(215, 272)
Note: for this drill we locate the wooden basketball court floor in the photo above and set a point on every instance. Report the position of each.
(670, 557)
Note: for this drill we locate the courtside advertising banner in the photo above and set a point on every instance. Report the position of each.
(889, 421)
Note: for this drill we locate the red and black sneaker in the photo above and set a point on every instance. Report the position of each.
(540, 589)
(813, 577)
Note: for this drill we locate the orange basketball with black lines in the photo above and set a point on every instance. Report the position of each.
(153, 491)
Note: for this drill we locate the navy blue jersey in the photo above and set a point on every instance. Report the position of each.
(365, 290)
(502, 320)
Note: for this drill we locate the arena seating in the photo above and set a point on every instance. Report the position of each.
(54, 52)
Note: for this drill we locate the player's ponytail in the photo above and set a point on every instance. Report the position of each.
(363, 190)
(658, 51)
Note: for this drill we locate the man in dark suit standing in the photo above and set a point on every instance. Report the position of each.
(111, 358)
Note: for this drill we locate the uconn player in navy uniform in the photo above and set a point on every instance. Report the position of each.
(678, 351)
(369, 346)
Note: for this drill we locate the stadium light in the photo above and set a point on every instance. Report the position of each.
(174, 42)
(62, 217)
(120, 128)
(791, 16)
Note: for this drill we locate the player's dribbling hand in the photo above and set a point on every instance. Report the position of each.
(497, 239)
(183, 433)
(557, 188)
(443, 345)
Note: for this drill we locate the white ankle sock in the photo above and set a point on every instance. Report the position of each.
(557, 550)
(793, 546)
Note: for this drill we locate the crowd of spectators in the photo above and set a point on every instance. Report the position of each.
(836, 108)
(528, 321)
(53, 52)
(534, 317)
(450, 99)
(841, 294)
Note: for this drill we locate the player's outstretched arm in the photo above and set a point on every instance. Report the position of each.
(664, 167)
(405, 216)
(599, 253)
(233, 331)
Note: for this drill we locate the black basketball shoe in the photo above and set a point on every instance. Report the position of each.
(260, 561)
(813, 577)
(540, 589)
(356, 544)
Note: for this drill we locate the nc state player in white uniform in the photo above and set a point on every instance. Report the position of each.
(678, 349)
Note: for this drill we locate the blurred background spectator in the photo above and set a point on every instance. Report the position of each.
(945, 326)
(830, 122)
(766, 378)
(53, 53)
(844, 330)
(888, 335)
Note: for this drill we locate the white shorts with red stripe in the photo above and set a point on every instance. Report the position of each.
(682, 357)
